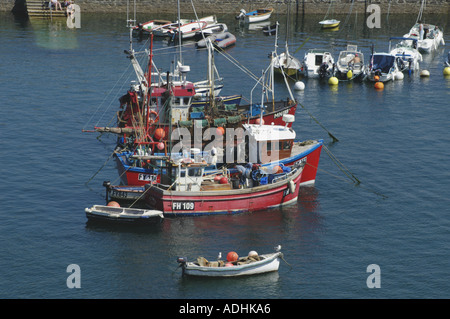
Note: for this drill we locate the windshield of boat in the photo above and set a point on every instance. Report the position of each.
(382, 62)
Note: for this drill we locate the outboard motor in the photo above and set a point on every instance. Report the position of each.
(323, 70)
(182, 263)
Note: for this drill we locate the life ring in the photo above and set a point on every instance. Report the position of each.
(154, 118)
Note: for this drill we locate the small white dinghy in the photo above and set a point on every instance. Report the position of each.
(250, 265)
(221, 40)
(124, 214)
(329, 24)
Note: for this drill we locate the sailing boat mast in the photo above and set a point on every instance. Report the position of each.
(287, 33)
(422, 6)
(143, 82)
(149, 82)
(179, 30)
(131, 23)
(211, 68)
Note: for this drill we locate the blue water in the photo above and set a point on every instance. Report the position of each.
(57, 81)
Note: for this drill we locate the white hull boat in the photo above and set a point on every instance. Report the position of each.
(147, 27)
(329, 24)
(429, 39)
(382, 68)
(406, 55)
(256, 15)
(221, 40)
(163, 30)
(188, 30)
(287, 63)
(250, 265)
(203, 88)
(122, 214)
(317, 64)
(350, 60)
(169, 28)
(210, 30)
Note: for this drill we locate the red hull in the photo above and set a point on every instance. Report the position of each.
(135, 176)
(223, 202)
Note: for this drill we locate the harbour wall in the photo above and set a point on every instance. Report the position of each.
(203, 7)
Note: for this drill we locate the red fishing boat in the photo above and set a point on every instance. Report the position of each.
(158, 103)
(265, 146)
(187, 191)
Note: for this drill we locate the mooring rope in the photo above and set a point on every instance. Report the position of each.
(98, 171)
(329, 133)
(139, 198)
(341, 166)
(282, 258)
(348, 173)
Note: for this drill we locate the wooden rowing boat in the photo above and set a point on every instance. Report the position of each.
(249, 265)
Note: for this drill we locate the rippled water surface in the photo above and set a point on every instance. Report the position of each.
(56, 81)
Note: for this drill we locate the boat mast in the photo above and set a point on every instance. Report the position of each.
(272, 72)
(272, 75)
(287, 32)
(131, 23)
(419, 17)
(143, 83)
(262, 97)
(149, 81)
(211, 72)
(179, 30)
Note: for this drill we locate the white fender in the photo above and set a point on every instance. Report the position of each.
(292, 187)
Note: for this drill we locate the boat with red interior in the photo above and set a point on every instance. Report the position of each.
(185, 190)
(263, 145)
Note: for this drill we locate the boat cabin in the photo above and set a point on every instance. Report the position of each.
(188, 175)
(317, 57)
(168, 103)
(269, 143)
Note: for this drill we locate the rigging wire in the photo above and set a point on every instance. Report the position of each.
(356, 181)
(309, 113)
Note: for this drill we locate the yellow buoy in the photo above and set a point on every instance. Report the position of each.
(333, 81)
(447, 70)
(349, 74)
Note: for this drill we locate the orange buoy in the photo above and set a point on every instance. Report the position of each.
(232, 256)
(220, 131)
(160, 133)
(376, 78)
(223, 180)
(217, 178)
(113, 204)
(379, 85)
(277, 169)
(259, 121)
(229, 265)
